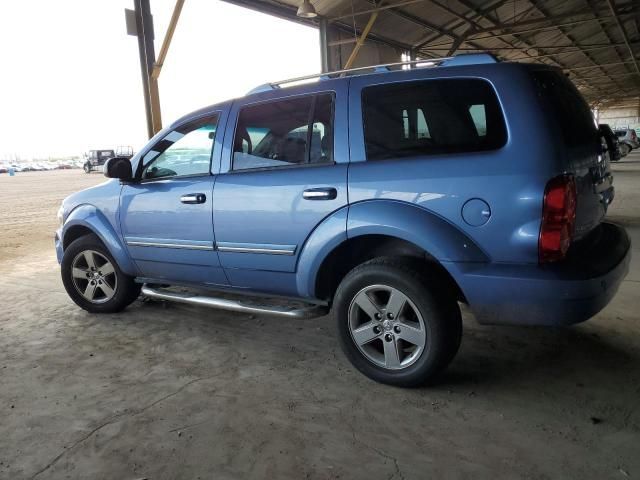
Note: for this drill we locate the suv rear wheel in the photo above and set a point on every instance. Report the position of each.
(93, 279)
(87, 168)
(396, 324)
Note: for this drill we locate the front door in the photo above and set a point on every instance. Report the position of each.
(284, 170)
(166, 216)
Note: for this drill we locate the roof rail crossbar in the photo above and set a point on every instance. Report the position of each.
(464, 59)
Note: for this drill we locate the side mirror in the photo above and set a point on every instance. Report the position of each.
(118, 167)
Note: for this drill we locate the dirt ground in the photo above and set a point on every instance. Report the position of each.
(28, 206)
(168, 391)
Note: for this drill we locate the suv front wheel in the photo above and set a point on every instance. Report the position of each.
(93, 279)
(396, 324)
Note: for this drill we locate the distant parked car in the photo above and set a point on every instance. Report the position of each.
(611, 142)
(3, 170)
(628, 140)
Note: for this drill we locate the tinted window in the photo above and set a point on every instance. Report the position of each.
(184, 151)
(284, 133)
(431, 117)
(566, 106)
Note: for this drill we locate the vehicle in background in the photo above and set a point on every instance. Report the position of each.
(611, 142)
(124, 151)
(4, 169)
(387, 197)
(97, 158)
(628, 140)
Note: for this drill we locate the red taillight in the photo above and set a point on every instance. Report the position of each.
(558, 219)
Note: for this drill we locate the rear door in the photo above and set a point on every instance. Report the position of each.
(284, 170)
(569, 114)
(166, 217)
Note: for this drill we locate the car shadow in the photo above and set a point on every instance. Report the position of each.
(491, 357)
(537, 356)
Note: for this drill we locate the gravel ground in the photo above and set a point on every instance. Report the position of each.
(168, 391)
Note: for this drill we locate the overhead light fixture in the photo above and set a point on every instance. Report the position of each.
(306, 10)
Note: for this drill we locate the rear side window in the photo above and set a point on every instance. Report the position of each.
(285, 133)
(565, 105)
(430, 117)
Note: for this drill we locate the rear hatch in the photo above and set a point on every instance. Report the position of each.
(580, 148)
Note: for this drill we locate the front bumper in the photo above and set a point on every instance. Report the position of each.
(564, 293)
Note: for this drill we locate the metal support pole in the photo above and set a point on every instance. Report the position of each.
(324, 46)
(412, 57)
(144, 32)
(142, 16)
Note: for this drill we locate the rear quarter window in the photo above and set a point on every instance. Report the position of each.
(430, 117)
(565, 106)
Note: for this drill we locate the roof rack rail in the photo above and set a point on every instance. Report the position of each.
(463, 59)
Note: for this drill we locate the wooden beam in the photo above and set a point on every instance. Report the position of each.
(361, 39)
(166, 43)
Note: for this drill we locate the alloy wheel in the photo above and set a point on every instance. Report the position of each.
(94, 276)
(387, 327)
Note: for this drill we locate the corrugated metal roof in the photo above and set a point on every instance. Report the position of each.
(597, 42)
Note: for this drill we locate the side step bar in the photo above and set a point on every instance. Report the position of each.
(307, 311)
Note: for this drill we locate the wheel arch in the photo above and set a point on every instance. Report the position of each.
(87, 219)
(381, 228)
(358, 250)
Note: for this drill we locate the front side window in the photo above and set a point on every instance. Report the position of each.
(284, 133)
(184, 151)
(430, 117)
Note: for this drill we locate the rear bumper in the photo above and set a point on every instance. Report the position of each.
(565, 293)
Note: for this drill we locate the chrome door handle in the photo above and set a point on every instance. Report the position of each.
(320, 193)
(192, 198)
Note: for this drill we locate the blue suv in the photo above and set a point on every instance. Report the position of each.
(387, 196)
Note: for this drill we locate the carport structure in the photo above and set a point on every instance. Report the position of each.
(596, 42)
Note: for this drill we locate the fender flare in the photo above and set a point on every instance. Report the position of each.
(419, 226)
(327, 236)
(90, 217)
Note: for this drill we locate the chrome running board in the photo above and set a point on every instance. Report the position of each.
(307, 311)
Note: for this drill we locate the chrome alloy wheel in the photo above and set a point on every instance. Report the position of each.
(94, 276)
(387, 327)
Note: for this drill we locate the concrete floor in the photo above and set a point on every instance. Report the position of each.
(165, 392)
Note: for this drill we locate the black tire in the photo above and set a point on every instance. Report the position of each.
(429, 294)
(125, 291)
(87, 168)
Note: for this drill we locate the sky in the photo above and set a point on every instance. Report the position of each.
(70, 75)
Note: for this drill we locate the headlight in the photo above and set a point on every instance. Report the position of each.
(60, 215)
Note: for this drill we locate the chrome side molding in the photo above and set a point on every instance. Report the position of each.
(269, 249)
(307, 311)
(162, 243)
